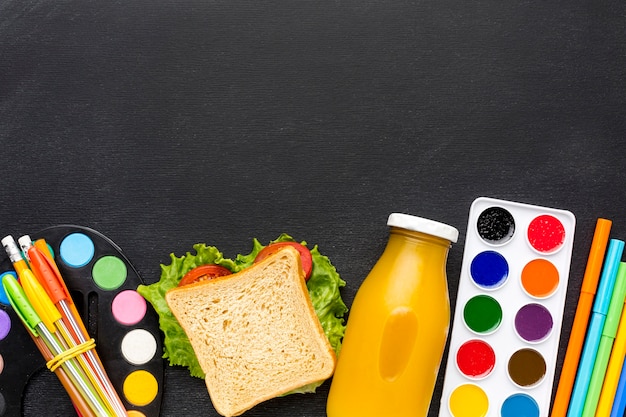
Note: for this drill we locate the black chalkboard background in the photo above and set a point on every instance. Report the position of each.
(166, 123)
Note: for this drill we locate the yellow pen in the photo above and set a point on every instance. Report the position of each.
(51, 318)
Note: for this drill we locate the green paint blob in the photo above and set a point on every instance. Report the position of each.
(109, 272)
(482, 314)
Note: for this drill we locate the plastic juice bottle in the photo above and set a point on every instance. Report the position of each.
(397, 326)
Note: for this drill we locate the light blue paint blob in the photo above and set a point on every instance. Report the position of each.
(76, 250)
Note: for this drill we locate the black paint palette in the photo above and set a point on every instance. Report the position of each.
(102, 283)
(509, 308)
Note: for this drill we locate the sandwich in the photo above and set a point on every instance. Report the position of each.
(255, 333)
(322, 283)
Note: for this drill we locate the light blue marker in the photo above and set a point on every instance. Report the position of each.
(596, 324)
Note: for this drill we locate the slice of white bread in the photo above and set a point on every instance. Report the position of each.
(255, 332)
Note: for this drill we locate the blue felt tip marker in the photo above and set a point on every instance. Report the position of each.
(596, 324)
(619, 403)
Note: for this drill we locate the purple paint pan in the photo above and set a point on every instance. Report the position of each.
(533, 322)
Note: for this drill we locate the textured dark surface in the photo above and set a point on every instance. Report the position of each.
(166, 123)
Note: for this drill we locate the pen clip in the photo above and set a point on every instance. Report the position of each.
(20, 304)
(45, 270)
(40, 301)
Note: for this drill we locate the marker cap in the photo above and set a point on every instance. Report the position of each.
(20, 303)
(609, 274)
(617, 303)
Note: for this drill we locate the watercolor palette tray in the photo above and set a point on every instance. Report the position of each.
(509, 308)
(102, 283)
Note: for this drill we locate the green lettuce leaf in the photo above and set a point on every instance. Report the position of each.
(176, 346)
(323, 286)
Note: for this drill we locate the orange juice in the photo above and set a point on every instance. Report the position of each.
(397, 326)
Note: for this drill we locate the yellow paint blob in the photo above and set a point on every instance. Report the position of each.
(140, 388)
(135, 413)
(468, 400)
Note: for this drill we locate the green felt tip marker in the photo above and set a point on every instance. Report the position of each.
(606, 342)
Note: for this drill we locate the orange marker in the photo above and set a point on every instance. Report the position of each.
(581, 318)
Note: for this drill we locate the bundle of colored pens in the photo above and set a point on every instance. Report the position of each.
(42, 301)
(593, 377)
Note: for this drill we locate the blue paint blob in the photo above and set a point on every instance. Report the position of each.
(76, 250)
(519, 405)
(4, 299)
(489, 270)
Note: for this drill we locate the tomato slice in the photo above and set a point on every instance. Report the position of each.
(203, 273)
(305, 255)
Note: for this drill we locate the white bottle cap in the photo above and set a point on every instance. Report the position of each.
(420, 224)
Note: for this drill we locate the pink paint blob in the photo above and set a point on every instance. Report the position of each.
(128, 307)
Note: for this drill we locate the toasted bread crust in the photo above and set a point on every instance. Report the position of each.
(255, 333)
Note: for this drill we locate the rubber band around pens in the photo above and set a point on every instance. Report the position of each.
(66, 355)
